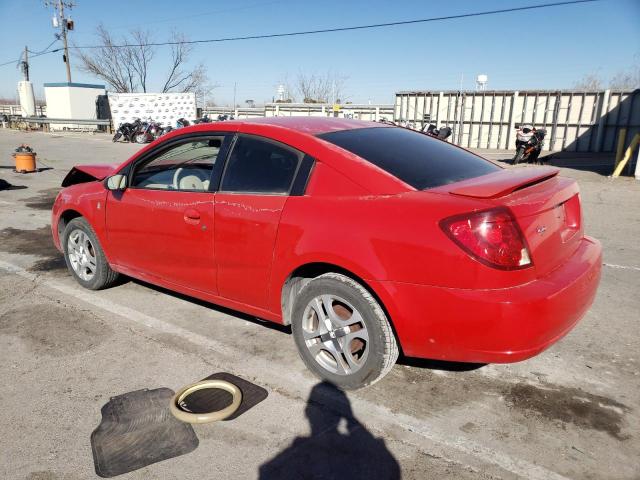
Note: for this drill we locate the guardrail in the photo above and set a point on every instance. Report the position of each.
(15, 120)
(349, 110)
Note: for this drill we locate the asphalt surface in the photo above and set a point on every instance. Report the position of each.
(571, 412)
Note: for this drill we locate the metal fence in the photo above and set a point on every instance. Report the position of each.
(16, 110)
(358, 111)
(575, 120)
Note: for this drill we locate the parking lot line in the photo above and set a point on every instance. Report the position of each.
(297, 383)
(624, 267)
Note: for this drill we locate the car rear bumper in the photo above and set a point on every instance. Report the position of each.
(497, 325)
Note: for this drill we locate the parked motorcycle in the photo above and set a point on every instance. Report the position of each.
(182, 122)
(529, 143)
(441, 133)
(143, 132)
(204, 119)
(222, 118)
(126, 131)
(155, 129)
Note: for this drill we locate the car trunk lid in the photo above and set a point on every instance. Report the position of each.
(546, 207)
(502, 182)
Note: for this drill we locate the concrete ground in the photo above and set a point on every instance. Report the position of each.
(571, 412)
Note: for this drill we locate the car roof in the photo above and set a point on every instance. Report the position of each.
(312, 125)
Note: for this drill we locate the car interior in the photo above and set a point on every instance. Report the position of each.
(187, 166)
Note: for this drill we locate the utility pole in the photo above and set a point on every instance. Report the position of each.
(65, 25)
(235, 84)
(25, 64)
(64, 40)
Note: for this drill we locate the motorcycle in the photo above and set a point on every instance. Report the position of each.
(126, 131)
(225, 117)
(529, 143)
(204, 119)
(441, 133)
(182, 122)
(143, 133)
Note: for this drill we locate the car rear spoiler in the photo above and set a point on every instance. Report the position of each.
(503, 182)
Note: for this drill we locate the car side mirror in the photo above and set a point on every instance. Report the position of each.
(117, 182)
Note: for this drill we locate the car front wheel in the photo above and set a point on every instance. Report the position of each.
(342, 333)
(84, 256)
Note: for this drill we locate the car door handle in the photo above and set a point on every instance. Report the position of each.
(191, 216)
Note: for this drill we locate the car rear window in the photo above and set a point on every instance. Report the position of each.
(415, 158)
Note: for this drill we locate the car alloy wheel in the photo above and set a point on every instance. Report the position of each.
(82, 255)
(342, 333)
(335, 334)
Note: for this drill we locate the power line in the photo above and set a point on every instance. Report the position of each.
(44, 50)
(330, 30)
(344, 29)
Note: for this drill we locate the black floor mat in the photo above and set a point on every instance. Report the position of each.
(137, 429)
(210, 400)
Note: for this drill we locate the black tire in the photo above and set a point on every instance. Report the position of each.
(533, 157)
(116, 137)
(381, 343)
(143, 136)
(518, 156)
(103, 276)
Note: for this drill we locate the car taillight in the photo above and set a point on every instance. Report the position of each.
(492, 237)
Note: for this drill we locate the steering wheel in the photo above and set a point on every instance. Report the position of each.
(176, 178)
(181, 175)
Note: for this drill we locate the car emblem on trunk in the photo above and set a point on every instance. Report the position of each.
(541, 229)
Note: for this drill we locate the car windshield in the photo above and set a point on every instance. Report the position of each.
(415, 158)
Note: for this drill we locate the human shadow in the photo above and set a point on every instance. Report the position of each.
(339, 446)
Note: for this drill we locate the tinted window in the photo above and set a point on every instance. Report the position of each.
(416, 159)
(186, 166)
(259, 166)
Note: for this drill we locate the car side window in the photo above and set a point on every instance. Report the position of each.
(185, 167)
(256, 165)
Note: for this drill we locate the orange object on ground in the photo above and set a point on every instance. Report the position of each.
(25, 162)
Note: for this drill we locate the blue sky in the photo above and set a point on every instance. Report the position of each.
(547, 48)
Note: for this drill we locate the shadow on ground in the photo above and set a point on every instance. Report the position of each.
(4, 185)
(38, 242)
(339, 446)
(43, 201)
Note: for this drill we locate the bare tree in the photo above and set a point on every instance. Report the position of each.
(589, 82)
(140, 57)
(109, 63)
(124, 64)
(316, 88)
(626, 80)
(178, 79)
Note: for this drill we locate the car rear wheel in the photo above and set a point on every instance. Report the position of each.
(84, 256)
(342, 333)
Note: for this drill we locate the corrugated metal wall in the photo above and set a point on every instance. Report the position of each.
(575, 120)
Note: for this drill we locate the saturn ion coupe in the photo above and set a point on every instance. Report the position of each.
(368, 239)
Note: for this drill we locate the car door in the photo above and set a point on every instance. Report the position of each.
(256, 183)
(162, 225)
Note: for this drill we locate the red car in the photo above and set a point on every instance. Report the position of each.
(366, 238)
